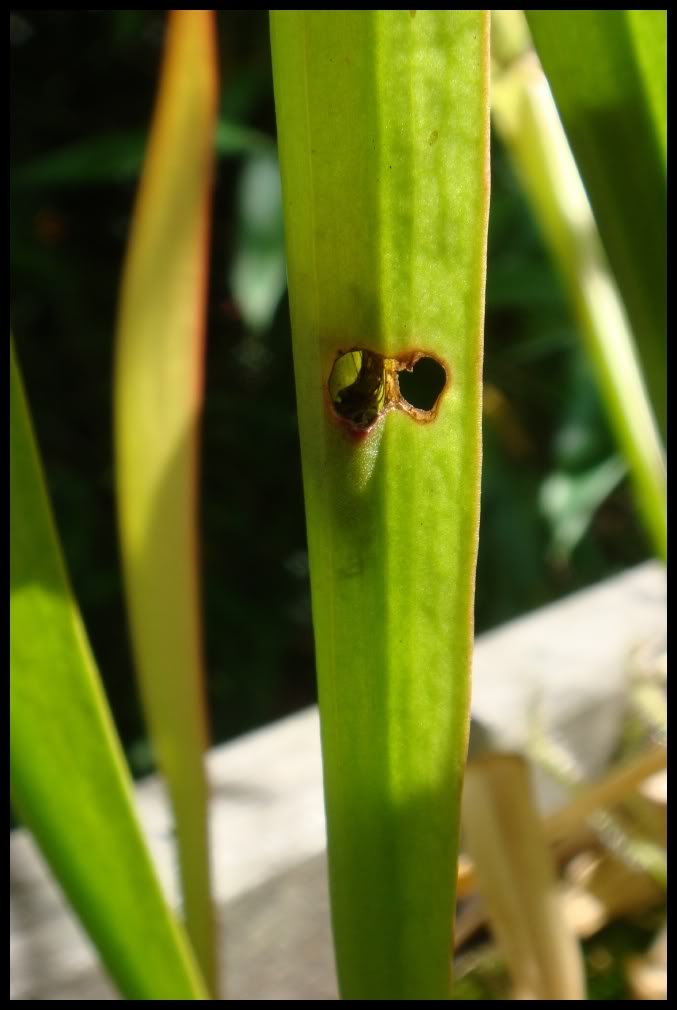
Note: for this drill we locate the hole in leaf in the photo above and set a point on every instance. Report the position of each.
(422, 386)
(357, 386)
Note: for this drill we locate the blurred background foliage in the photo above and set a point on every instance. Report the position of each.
(556, 510)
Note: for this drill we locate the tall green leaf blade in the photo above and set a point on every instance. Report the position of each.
(68, 777)
(158, 392)
(383, 138)
(608, 73)
(526, 118)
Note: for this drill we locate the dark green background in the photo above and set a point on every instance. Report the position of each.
(82, 89)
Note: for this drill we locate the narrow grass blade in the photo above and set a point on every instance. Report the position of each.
(68, 777)
(383, 138)
(608, 74)
(526, 118)
(158, 391)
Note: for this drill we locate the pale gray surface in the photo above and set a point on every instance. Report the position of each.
(566, 665)
(566, 668)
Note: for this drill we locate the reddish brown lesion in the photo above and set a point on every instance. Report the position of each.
(359, 406)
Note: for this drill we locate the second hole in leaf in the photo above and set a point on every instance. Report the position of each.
(422, 386)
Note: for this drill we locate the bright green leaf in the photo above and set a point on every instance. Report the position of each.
(68, 777)
(383, 139)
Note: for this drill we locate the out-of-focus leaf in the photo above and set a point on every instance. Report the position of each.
(235, 140)
(68, 777)
(158, 395)
(113, 157)
(526, 117)
(258, 273)
(569, 502)
(118, 157)
(608, 74)
(516, 877)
